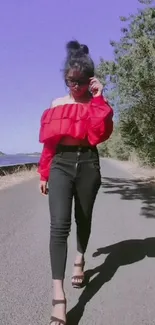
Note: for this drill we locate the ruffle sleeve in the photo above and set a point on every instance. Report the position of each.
(100, 120)
(47, 155)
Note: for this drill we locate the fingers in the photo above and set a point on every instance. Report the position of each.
(94, 82)
(95, 86)
(43, 189)
(93, 78)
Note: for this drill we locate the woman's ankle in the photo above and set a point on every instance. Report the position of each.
(79, 257)
(58, 290)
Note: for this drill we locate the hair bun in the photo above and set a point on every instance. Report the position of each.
(74, 47)
(84, 48)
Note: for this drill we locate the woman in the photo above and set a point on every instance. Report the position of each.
(69, 164)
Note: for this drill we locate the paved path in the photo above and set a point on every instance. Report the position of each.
(121, 290)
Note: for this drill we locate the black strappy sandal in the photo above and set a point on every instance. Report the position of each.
(75, 278)
(55, 319)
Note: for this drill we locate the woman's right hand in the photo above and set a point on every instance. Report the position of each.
(43, 187)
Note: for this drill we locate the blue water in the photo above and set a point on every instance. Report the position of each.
(17, 159)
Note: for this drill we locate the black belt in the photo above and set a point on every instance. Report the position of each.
(67, 148)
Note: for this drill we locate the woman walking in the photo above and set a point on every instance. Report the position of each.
(69, 164)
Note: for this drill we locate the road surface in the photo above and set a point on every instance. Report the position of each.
(120, 258)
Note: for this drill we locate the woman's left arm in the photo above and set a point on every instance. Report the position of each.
(48, 150)
(100, 115)
(45, 161)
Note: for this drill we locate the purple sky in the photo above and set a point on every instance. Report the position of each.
(33, 34)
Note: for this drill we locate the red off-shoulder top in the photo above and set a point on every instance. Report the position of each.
(91, 121)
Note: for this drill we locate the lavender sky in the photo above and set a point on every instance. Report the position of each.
(33, 34)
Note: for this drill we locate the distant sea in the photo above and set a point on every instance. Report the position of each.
(7, 160)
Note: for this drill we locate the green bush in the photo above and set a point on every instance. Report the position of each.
(130, 87)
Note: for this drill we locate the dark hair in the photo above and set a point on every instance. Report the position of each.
(78, 57)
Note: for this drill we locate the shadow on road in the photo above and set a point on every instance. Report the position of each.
(122, 253)
(133, 189)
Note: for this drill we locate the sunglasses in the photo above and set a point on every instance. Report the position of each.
(79, 82)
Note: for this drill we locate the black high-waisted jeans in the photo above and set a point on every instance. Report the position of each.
(75, 172)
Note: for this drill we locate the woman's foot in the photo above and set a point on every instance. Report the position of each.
(59, 309)
(78, 273)
(59, 312)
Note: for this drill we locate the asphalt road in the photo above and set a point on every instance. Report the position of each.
(120, 257)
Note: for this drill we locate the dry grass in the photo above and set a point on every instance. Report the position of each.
(19, 175)
(24, 173)
(133, 167)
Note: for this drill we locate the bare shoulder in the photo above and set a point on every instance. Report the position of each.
(60, 101)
